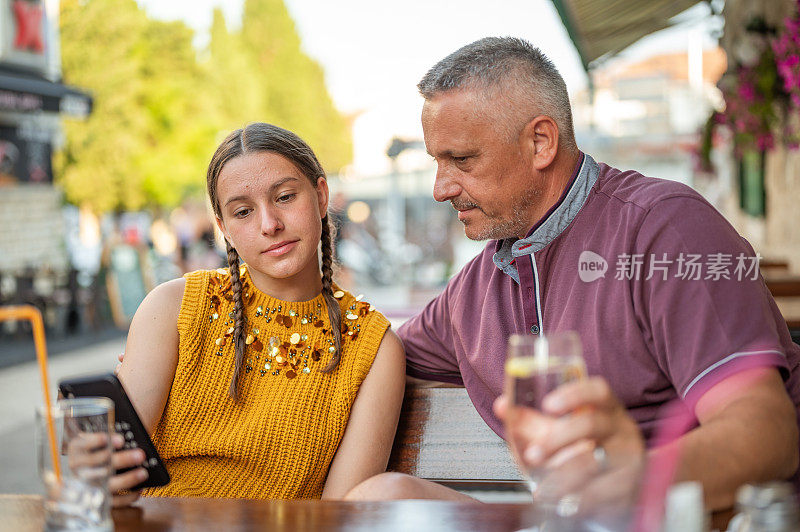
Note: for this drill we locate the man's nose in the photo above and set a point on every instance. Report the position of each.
(444, 187)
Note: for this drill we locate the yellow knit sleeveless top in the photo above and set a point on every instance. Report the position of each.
(278, 440)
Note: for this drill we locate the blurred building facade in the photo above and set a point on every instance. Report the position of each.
(646, 115)
(770, 222)
(748, 167)
(33, 254)
(414, 246)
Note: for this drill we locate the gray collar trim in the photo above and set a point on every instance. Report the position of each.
(553, 224)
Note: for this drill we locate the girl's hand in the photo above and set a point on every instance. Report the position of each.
(120, 484)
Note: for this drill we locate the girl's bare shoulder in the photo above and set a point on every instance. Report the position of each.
(165, 299)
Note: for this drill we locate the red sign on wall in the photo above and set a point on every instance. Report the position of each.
(25, 33)
(28, 20)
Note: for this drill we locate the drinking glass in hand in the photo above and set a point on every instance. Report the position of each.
(74, 451)
(535, 366)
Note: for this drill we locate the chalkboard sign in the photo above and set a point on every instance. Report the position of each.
(125, 283)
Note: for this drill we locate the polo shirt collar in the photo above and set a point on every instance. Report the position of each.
(554, 221)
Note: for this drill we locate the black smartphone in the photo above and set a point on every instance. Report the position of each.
(126, 421)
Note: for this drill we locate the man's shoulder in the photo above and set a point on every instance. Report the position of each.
(649, 205)
(631, 188)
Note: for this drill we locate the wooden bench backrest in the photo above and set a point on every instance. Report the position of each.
(784, 286)
(773, 266)
(441, 437)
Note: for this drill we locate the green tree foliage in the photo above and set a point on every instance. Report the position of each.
(159, 112)
(101, 52)
(294, 84)
(273, 80)
(180, 136)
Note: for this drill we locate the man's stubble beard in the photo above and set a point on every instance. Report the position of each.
(515, 225)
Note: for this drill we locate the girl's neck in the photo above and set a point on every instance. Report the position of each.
(304, 286)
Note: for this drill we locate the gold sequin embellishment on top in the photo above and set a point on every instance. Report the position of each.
(291, 355)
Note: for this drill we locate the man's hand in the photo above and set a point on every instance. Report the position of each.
(585, 440)
(574, 412)
(120, 485)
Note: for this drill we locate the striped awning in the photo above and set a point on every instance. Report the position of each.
(600, 27)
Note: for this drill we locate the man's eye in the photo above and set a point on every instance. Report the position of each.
(241, 213)
(460, 160)
(283, 198)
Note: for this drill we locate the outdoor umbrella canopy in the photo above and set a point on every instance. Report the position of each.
(600, 27)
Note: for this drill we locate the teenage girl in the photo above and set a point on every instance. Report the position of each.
(263, 380)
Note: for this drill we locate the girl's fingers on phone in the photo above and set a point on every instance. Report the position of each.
(93, 458)
(128, 458)
(125, 499)
(88, 441)
(127, 480)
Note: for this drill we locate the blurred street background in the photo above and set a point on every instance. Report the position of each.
(110, 111)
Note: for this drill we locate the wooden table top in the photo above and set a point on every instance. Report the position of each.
(25, 513)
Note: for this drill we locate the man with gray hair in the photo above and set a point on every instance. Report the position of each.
(497, 120)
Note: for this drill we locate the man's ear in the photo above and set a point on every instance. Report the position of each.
(323, 196)
(540, 136)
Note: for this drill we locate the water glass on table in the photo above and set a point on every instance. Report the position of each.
(535, 366)
(74, 453)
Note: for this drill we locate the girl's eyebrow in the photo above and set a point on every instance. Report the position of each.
(281, 182)
(275, 185)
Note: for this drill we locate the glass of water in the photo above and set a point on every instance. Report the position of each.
(535, 366)
(74, 452)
